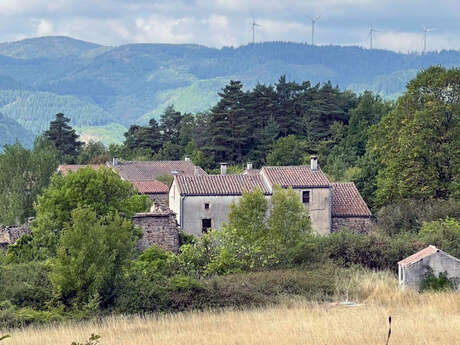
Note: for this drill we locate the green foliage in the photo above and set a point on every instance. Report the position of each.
(91, 255)
(102, 191)
(23, 176)
(410, 215)
(93, 152)
(287, 151)
(250, 240)
(431, 282)
(64, 138)
(417, 143)
(444, 234)
(25, 285)
(166, 179)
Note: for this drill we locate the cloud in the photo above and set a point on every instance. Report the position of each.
(220, 23)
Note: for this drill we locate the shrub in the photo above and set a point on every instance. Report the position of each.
(431, 282)
(444, 234)
(25, 285)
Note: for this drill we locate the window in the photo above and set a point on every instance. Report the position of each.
(206, 206)
(205, 225)
(306, 197)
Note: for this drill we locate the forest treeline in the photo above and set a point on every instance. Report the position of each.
(360, 138)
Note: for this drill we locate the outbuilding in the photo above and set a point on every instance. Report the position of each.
(413, 269)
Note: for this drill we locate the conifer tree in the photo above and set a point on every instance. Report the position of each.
(64, 138)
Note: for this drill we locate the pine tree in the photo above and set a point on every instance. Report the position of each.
(64, 138)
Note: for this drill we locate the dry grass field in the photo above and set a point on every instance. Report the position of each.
(430, 318)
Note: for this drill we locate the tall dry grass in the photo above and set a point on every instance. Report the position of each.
(432, 318)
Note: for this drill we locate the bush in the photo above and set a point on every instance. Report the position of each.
(431, 282)
(444, 234)
(409, 215)
(25, 285)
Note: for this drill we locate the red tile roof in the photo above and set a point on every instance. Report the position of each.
(219, 184)
(151, 187)
(295, 176)
(150, 170)
(64, 169)
(430, 250)
(347, 202)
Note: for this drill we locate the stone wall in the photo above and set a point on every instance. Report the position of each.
(355, 224)
(159, 228)
(10, 234)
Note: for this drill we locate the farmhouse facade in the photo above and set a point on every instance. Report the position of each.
(412, 270)
(203, 202)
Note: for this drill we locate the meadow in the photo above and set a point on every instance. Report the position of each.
(426, 318)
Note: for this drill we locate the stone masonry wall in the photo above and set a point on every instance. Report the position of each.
(158, 228)
(10, 234)
(355, 224)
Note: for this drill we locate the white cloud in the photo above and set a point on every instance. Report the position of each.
(227, 22)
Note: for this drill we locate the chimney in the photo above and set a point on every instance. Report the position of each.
(114, 161)
(187, 158)
(223, 168)
(314, 163)
(248, 166)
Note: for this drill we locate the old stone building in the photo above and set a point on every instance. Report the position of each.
(203, 202)
(412, 270)
(160, 228)
(143, 175)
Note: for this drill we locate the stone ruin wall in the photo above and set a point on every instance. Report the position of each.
(158, 228)
(10, 234)
(355, 224)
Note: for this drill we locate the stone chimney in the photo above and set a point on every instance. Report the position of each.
(248, 166)
(187, 158)
(223, 168)
(314, 163)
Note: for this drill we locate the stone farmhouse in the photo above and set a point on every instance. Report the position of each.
(412, 270)
(197, 202)
(203, 202)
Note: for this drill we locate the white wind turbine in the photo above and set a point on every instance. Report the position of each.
(253, 28)
(425, 34)
(313, 22)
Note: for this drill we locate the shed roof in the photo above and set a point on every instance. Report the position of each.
(151, 187)
(347, 202)
(150, 170)
(430, 250)
(295, 176)
(219, 184)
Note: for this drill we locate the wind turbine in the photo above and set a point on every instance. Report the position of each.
(371, 36)
(425, 33)
(254, 24)
(313, 22)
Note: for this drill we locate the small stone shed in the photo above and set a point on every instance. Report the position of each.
(412, 269)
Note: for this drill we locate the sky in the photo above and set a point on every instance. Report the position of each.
(217, 23)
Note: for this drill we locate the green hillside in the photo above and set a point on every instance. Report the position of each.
(10, 131)
(98, 86)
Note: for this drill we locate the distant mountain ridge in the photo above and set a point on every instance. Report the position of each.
(105, 89)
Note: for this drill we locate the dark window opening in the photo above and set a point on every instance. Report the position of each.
(306, 197)
(206, 206)
(205, 225)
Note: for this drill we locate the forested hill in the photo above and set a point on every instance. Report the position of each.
(10, 131)
(106, 89)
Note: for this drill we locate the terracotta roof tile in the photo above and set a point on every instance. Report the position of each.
(295, 176)
(418, 256)
(220, 184)
(64, 169)
(346, 201)
(151, 187)
(150, 170)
